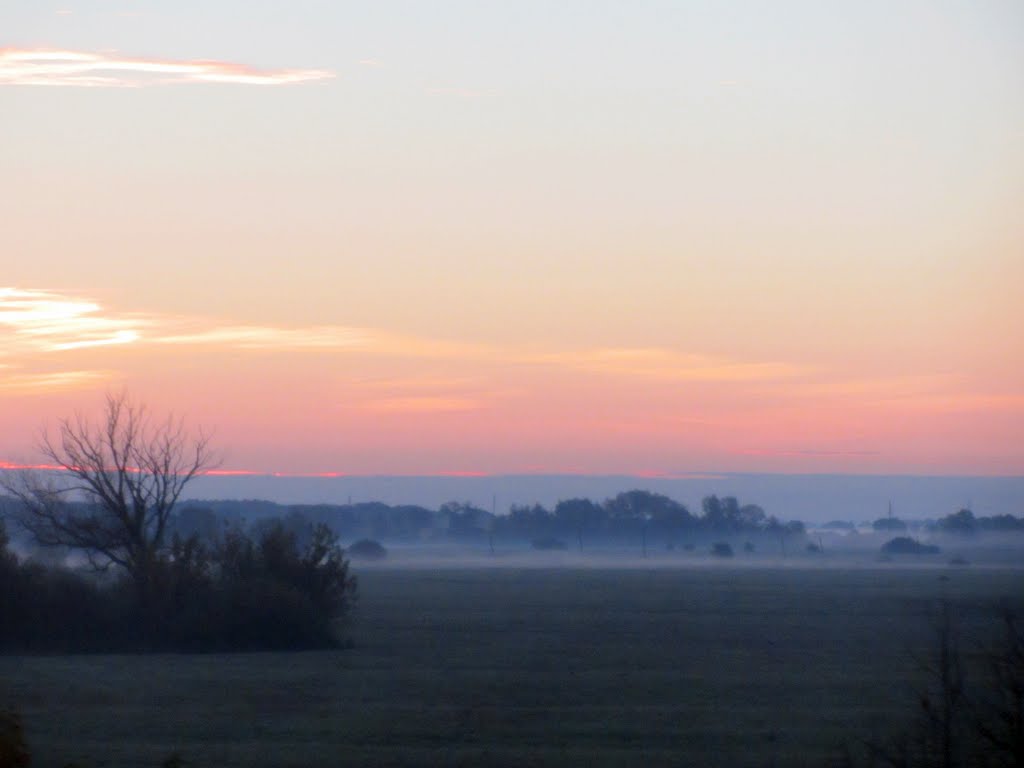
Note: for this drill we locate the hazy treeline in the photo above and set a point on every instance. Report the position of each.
(962, 522)
(622, 519)
(263, 591)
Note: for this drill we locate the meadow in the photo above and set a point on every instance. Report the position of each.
(534, 667)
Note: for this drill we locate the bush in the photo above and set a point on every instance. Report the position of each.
(245, 595)
(904, 545)
(367, 549)
(721, 549)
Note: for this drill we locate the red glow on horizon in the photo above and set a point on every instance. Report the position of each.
(12, 465)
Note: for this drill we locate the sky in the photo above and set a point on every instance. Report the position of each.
(650, 238)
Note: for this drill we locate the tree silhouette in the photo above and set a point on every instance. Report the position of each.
(115, 487)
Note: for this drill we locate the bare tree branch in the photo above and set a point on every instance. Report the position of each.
(117, 484)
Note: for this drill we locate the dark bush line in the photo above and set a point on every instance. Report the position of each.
(243, 594)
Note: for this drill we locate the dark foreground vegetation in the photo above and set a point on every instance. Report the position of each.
(967, 714)
(244, 594)
(720, 666)
(113, 501)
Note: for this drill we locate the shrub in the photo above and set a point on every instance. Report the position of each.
(367, 549)
(904, 545)
(721, 549)
(244, 595)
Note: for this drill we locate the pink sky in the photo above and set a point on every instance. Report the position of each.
(671, 240)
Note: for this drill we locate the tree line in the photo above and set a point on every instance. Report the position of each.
(624, 518)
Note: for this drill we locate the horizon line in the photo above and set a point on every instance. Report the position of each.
(471, 474)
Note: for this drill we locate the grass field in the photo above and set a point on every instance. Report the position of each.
(521, 667)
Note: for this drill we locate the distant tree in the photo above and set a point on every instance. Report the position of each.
(904, 545)
(962, 523)
(128, 472)
(725, 515)
(721, 549)
(579, 515)
(715, 516)
(367, 549)
(529, 521)
(752, 517)
(1001, 523)
(646, 513)
(465, 519)
(794, 529)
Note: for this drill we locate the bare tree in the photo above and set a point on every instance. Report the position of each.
(115, 486)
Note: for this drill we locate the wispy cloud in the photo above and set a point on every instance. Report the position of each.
(45, 324)
(52, 322)
(35, 382)
(86, 69)
(268, 337)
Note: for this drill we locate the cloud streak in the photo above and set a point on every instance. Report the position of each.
(28, 383)
(84, 69)
(45, 325)
(268, 337)
(51, 322)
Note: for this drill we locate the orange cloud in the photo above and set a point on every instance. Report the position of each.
(90, 70)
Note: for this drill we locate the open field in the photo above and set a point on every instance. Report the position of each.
(722, 666)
